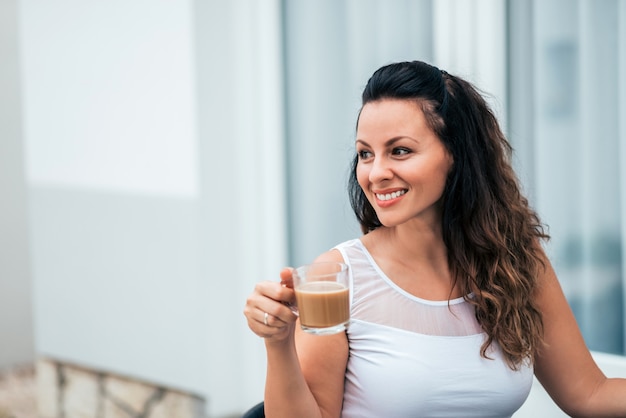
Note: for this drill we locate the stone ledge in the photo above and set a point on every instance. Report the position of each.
(17, 392)
(65, 391)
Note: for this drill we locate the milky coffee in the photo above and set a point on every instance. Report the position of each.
(322, 304)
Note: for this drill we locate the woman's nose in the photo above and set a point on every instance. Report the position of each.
(381, 170)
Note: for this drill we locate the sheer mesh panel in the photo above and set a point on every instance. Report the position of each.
(397, 308)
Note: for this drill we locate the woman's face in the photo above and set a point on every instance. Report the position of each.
(402, 164)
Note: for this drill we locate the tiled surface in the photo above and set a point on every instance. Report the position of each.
(17, 393)
(54, 390)
(69, 391)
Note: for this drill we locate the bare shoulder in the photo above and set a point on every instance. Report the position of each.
(332, 256)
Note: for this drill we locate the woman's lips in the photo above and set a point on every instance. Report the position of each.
(385, 199)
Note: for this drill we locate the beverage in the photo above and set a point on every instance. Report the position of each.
(323, 306)
(322, 297)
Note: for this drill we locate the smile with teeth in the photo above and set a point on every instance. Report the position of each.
(390, 196)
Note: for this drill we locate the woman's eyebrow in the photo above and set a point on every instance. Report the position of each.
(389, 142)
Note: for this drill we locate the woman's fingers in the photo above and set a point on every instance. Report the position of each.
(277, 313)
(267, 310)
(276, 291)
(267, 325)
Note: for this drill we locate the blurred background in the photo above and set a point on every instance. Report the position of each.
(158, 158)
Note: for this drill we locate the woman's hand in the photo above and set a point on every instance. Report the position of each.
(268, 309)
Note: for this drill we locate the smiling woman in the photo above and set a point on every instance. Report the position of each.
(452, 298)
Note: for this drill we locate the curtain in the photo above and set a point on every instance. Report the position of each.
(331, 48)
(571, 136)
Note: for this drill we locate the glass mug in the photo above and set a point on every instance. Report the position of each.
(322, 297)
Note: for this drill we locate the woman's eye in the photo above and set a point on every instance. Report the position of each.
(401, 151)
(363, 154)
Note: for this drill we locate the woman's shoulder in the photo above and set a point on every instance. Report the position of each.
(329, 256)
(355, 242)
(335, 253)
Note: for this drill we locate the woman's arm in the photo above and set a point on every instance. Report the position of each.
(305, 373)
(309, 383)
(565, 367)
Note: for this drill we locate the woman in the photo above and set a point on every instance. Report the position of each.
(454, 303)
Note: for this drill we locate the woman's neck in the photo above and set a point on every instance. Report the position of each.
(414, 258)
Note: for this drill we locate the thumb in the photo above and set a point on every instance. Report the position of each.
(286, 277)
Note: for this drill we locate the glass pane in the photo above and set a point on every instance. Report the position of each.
(577, 159)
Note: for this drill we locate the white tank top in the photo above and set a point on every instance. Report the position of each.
(411, 357)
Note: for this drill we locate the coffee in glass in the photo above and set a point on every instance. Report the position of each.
(322, 296)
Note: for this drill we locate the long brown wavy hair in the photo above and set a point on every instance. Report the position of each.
(491, 233)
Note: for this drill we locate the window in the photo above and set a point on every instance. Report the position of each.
(570, 133)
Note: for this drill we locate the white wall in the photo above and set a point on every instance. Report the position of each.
(242, 182)
(109, 96)
(153, 138)
(111, 168)
(16, 325)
